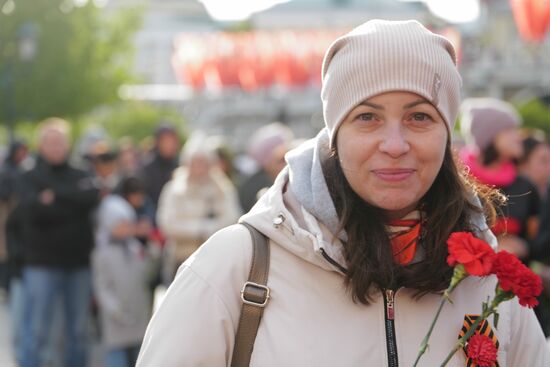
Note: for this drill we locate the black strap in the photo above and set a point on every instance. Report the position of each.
(254, 295)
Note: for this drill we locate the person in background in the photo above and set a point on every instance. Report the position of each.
(121, 268)
(357, 225)
(491, 128)
(162, 162)
(534, 164)
(195, 203)
(540, 251)
(83, 145)
(225, 156)
(146, 232)
(57, 202)
(133, 191)
(104, 160)
(16, 164)
(267, 147)
(128, 157)
(494, 142)
(10, 172)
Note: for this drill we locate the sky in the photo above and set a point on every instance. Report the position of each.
(452, 11)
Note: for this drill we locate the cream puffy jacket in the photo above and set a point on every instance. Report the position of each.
(190, 212)
(311, 320)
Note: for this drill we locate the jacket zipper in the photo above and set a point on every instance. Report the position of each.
(389, 315)
(332, 261)
(391, 343)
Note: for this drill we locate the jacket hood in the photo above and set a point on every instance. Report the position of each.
(298, 214)
(280, 216)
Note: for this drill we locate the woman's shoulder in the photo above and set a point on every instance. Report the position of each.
(224, 258)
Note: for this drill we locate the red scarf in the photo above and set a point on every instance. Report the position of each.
(404, 236)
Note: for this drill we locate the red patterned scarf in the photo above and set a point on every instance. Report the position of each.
(404, 236)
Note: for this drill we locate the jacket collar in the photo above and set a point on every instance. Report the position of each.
(280, 216)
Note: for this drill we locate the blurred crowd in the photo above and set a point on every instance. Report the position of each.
(88, 234)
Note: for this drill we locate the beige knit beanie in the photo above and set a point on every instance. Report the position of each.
(382, 56)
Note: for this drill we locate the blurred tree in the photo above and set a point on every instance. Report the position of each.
(536, 114)
(134, 119)
(62, 57)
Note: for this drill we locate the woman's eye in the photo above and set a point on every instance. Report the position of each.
(419, 116)
(366, 117)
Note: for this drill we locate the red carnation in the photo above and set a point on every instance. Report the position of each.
(513, 276)
(482, 351)
(476, 255)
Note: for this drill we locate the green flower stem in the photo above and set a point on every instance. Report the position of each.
(459, 274)
(487, 311)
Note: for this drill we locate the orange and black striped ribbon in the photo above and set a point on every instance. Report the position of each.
(484, 328)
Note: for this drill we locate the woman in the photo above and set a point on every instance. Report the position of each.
(195, 203)
(534, 164)
(492, 129)
(345, 288)
(121, 268)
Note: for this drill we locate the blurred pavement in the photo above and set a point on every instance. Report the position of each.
(6, 359)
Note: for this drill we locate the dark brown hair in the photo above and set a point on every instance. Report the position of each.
(530, 144)
(490, 154)
(370, 263)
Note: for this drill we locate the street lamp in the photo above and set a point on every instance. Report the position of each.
(27, 41)
(25, 51)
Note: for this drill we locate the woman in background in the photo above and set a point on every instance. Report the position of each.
(491, 128)
(199, 200)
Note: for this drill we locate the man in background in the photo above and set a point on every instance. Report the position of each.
(57, 201)
(162, 162)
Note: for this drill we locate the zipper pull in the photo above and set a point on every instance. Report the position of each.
(389, 304)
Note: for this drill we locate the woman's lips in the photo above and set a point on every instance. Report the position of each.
(393, 175)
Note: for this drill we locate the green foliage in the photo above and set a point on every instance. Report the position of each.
(134, 119)
(536, 115)
(25, 130)
(137, 120)
(83, 54)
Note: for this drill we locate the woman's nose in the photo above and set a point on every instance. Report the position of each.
(393, 141)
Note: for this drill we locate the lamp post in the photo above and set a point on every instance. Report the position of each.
(24, 51)
(27, 41)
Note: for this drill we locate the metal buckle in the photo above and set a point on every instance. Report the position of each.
(260, 286)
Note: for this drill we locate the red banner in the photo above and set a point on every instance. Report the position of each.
(532, 18)
(256, 60)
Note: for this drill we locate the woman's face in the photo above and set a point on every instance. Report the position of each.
(199, 167)
(391, 148)
(537, 167)
(509, 144)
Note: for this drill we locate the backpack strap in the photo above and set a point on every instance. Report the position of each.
(254, 295)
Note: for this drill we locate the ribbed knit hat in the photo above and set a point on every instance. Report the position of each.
(483, 118)
(267, 139)
(382, 56)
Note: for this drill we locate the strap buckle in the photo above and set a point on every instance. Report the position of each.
(245, 292)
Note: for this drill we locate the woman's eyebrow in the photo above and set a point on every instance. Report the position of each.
(373, 105)
(408, 105)
(415, 103)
